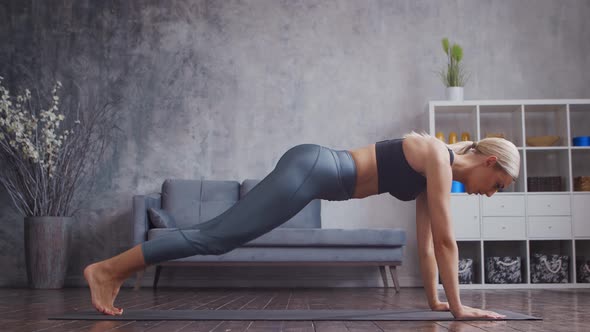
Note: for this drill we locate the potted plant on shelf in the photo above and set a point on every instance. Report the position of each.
(453, 74)
(46, 158)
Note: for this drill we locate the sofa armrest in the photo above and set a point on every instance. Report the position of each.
(141, 203)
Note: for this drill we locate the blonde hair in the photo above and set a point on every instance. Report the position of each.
(506, 152)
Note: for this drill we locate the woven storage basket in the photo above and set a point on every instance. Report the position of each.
(582, 183)
(544, 183)
(503, 270)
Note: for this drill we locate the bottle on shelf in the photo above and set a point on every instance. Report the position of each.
(452, 137)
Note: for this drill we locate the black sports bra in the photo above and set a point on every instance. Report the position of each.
(395, 175)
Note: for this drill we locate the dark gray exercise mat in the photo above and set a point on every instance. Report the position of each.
(249, 315)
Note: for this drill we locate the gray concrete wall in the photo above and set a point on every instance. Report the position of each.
(220, 89)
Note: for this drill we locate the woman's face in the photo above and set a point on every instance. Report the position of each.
(487, 178)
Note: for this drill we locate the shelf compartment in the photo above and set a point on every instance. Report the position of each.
(503, 205)
(547, 170)
(546, 120)
(582, 259)
(507, 249)
(553, 247)
(456, 119)
(550, 227)
(581, 170)
(579, 120)
(549, 205)
(581, 215)
(465, 213)
(502, 119)
(504, 228)
(471, 250)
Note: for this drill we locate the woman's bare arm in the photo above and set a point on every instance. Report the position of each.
(426, 252)
(438, 188)
(438, 195)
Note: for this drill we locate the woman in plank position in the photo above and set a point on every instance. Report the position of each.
(416, 167)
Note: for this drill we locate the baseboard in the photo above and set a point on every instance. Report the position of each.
(79, 281)
(5, 283)
(407, 281)
(259, 283)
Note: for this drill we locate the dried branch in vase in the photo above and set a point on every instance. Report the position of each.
(48, 158)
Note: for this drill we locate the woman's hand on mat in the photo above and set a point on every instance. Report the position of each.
(440, 306)
(469, 312)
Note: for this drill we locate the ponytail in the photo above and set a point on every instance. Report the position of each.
(462, 147)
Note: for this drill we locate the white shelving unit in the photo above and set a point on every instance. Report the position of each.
(518, 221)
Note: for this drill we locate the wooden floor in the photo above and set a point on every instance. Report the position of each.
(27, 310)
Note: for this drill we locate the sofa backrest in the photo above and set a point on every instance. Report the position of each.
(195, 201)
(309, 217)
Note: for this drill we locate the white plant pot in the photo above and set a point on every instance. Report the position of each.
(455, 93)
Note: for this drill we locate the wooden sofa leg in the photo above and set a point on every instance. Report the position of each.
(157, 276)
(139, 277)
(394, 277)
(384, 276)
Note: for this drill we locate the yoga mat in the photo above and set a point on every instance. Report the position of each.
(250, 315)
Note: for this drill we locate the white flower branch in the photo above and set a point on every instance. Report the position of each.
(44, 163)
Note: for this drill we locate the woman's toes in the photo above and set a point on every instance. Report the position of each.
(114, 311)
(105, 311)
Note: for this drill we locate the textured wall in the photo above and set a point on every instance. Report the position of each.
(220, 89)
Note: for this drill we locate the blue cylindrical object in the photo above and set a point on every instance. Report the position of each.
(457, 187)
(581, 141)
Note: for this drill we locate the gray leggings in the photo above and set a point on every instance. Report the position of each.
(304, 173)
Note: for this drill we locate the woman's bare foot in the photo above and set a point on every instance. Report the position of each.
(103, 288)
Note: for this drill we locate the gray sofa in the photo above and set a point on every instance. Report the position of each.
(300, 240)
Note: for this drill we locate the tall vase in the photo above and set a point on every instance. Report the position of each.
(455, 93)
(46, 251)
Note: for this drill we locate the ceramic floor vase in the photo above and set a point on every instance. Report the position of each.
(46, 251)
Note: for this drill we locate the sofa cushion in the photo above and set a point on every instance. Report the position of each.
(161, 219)
(217, 197)
(316, 237)
(191, 202)
(308, 217)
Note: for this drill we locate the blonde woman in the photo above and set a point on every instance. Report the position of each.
(416, 167)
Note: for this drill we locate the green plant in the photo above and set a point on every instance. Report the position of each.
(453, 74)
